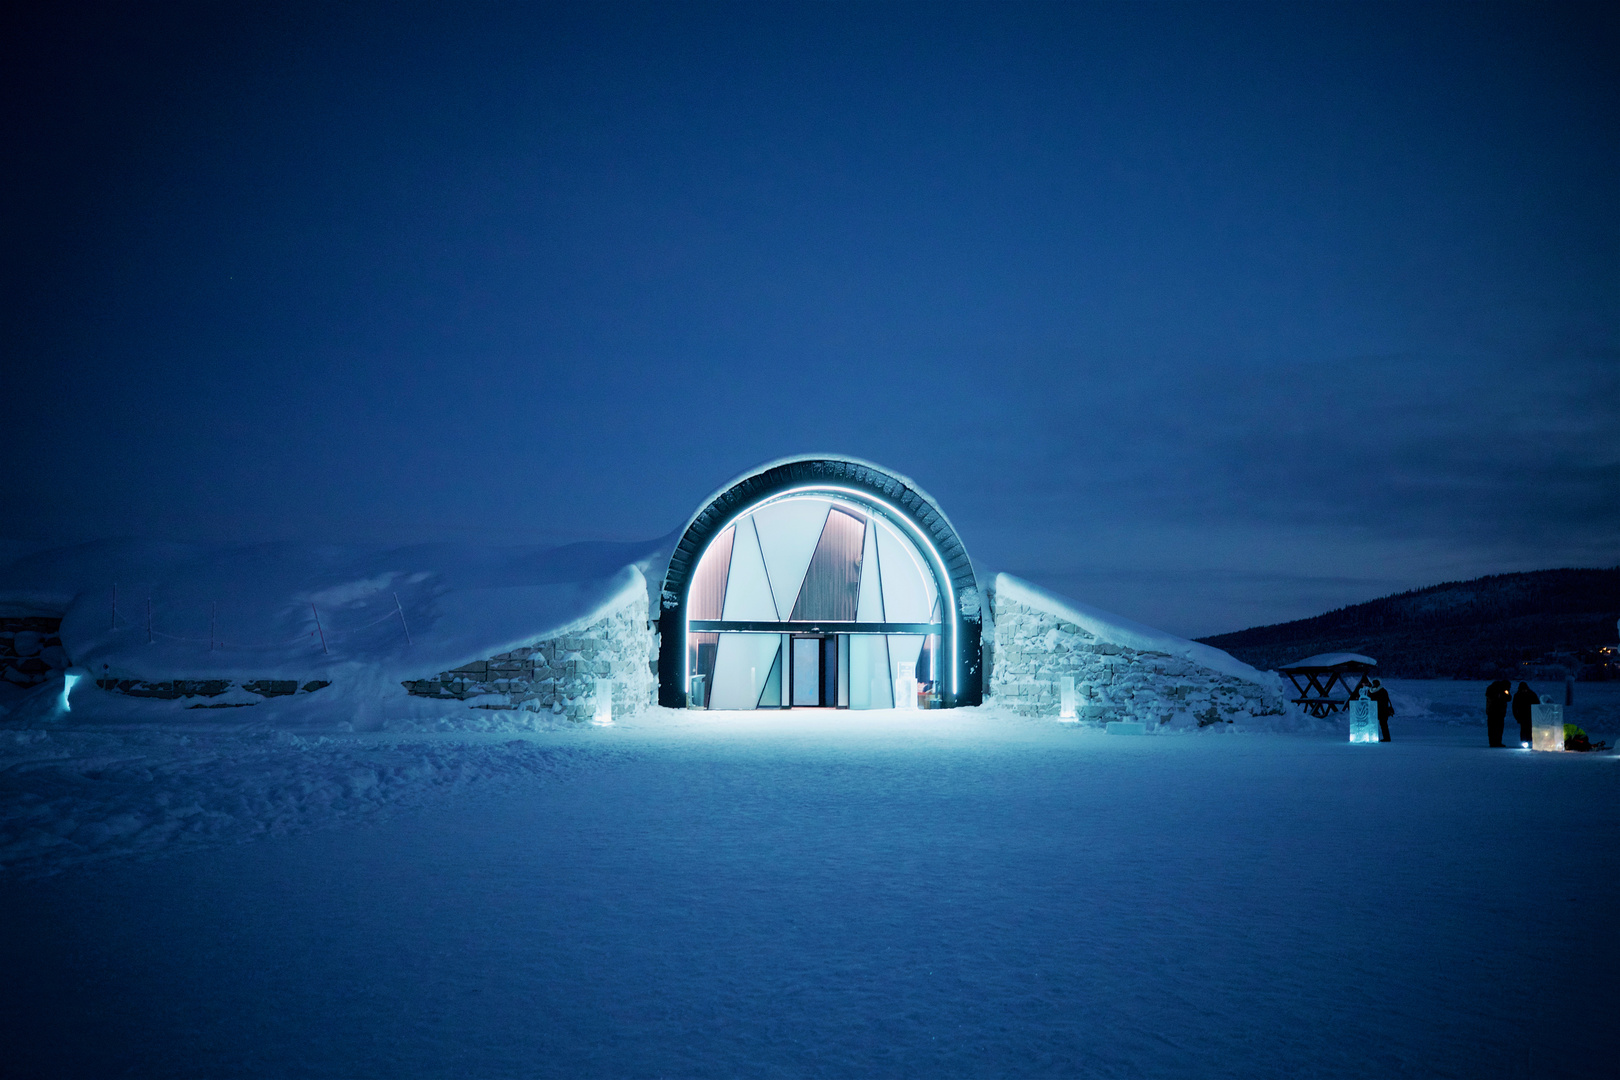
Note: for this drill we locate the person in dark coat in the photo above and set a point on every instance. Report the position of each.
(1497, 696)
(1522, 701)
(1385, 709)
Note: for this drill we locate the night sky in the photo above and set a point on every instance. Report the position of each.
(1208, 315)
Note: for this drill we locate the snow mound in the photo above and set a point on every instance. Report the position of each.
(1118, 630)
(142, 610)
(1333, 659)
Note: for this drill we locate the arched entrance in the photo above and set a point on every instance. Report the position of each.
(819, 581)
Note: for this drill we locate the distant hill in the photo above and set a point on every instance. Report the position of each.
(1491, 627)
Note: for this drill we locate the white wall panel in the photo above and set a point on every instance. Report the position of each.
(741, 666)
(748, 593)
(789, 531)
(871, 686)
(903, 649)
(908, 586)
(870, 607)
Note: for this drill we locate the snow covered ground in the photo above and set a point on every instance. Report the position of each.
(960, 893)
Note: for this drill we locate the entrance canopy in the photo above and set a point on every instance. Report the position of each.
(819, 582)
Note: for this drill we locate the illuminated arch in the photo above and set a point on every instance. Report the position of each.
(895, 498)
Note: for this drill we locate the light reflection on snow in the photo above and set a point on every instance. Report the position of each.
(68, 682)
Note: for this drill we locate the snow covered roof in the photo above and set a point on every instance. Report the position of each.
(1118, 630)
(1332, 659)
(239, 611)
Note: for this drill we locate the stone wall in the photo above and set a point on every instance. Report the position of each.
(171, 689)
(558, 674)
(1035, 649)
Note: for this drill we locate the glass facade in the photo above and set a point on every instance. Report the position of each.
(768, 595)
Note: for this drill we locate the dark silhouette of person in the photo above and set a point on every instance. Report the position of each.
(1497, 696)
(1522, 701)
(1385, 709)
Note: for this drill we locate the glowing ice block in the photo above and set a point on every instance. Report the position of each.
(69, 679)
(1546, 727)
(905, 687)
(1125, 727)
(1066, 698)
(1363, 720)
(603, 715)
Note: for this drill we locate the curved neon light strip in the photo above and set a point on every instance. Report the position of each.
(895, 516)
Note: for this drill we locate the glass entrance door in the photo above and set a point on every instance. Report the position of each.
(807, 671)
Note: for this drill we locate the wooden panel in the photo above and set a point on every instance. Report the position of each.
(708, 596)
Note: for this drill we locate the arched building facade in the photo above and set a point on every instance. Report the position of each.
(819, 582)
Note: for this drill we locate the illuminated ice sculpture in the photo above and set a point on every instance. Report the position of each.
(1546, 727)
(1066, 698)
(905, 687)
(1363, 720)
(603, 716)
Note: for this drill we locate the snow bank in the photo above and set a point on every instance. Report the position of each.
(1118, 630)
(1333, 659)
(154, 611)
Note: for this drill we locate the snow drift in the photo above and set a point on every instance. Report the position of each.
(162, 611)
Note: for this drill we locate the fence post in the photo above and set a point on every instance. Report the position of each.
(320, 630)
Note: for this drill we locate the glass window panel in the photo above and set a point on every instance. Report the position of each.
(807, 671)
(870, 684)
(870, 606)
(908, 585)
(832, 585)
(903, 652)
(741, 667)
(788, 534)
(702, 648)
(771, 696)
(748, 590)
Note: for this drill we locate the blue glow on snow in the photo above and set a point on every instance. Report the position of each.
(68, 682)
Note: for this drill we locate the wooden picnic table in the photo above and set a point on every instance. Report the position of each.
(1327, 682)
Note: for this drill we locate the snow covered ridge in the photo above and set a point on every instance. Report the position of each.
(1122, 670)
(235, 619)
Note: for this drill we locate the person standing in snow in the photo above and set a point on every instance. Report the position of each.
(1522, 701)
(1497, 696)
(1385, 709)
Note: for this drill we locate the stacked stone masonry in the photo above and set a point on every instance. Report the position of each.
(1034, 650)
(30, 650)
(559, 675)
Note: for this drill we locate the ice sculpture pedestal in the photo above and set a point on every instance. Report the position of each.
(1363, 720)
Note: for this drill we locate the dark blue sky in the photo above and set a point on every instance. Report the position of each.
(1209, 315)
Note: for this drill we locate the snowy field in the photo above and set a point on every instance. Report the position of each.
(807, 894)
